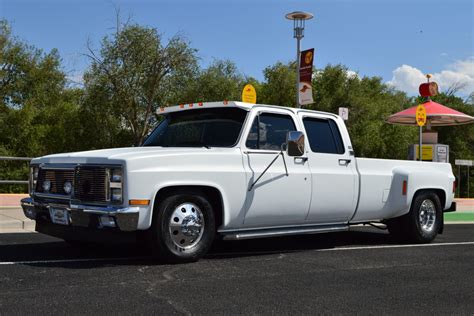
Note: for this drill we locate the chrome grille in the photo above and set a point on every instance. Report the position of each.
(91, 184)
(57, 177)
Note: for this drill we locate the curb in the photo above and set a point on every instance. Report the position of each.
(16, 225)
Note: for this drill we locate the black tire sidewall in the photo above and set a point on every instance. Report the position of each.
(165, 248)
(416, 232)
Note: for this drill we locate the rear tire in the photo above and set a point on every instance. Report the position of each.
(183, 228)
(422, 223)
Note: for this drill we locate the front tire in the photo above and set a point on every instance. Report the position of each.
(183, 228)
(422, 223)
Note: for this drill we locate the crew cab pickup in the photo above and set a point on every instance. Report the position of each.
(238, 171)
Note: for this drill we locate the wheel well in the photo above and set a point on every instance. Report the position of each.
(212, 194)
(439, 192)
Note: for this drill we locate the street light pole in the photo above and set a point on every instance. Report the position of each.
(299, 19)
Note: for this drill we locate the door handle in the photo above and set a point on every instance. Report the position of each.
(301, 159)
(344, 162)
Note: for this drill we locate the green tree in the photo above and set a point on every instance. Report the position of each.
(279, 85)
(369, 100)
(220, 81)
(36, 108)
(132, 75)
(370, 103)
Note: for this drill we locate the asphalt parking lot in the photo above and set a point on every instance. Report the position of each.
(360, 272)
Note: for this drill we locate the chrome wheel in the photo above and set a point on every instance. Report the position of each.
(186, 225)
(427, 216)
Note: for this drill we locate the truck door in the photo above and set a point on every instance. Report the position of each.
(277, 198)
(334, 177)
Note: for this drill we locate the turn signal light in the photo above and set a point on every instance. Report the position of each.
(139, 202)
(404, 188)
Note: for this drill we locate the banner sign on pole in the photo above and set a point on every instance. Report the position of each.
(305, 90)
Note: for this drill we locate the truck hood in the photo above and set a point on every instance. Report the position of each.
(121, 155)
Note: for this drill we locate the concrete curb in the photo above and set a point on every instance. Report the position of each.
(12, 219)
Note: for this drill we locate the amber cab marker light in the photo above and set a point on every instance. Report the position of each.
(139, 202)
(404, 188)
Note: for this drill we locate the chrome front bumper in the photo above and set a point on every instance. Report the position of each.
(125, 218)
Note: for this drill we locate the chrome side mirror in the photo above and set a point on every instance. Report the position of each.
(295, 144)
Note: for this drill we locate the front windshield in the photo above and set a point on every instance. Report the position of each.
(211, 127)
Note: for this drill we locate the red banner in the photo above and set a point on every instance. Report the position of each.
(305, 90)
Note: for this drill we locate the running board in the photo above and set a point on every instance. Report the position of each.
(277, 232)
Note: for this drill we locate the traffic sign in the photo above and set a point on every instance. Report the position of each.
(462, 162)
(344, 113)
(421, 115)
(249, 95)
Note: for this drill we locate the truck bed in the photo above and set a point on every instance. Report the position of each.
(381, 184)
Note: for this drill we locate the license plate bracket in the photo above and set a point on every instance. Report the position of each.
(59, 216)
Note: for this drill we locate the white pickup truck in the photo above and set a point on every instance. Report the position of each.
(238, 171)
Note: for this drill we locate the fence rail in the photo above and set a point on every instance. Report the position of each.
(16, 158)
(5, 158)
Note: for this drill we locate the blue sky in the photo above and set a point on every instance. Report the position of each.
(397, 40)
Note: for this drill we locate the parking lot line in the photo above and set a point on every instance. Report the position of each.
(343, 249)
(68, 260)
(400, 246)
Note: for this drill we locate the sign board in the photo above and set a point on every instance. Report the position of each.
(344, 113)
(427, 152)
(249, 95)
(442, 152)
(305, 90)
(461, 162)
(421, 115)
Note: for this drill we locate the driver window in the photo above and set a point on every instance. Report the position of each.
(271, 133)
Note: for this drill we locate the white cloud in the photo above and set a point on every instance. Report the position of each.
(351, 73)
(465, 66)
(461, 73)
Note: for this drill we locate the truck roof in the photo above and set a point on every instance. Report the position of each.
(222, 104)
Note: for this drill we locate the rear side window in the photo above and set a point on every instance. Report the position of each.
(323, 136)
(269, 131)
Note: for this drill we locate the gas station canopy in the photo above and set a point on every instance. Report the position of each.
(436, 114)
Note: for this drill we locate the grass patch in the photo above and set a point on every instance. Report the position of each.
(459, 216)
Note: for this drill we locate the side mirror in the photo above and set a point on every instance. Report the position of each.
(295, 144)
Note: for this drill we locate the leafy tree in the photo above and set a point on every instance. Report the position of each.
(36, 109)
(459, 138)
(279, 85)
(220, 81)
(369, 100)
(132, 75)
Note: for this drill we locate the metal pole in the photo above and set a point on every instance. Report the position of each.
(421, 142)
(468, 178)
(459, 181)
(298, 71)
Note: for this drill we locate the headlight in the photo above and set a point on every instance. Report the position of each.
(116, 175)
(46, 186)
(67, 187)
(115, 185)
(116, 195)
